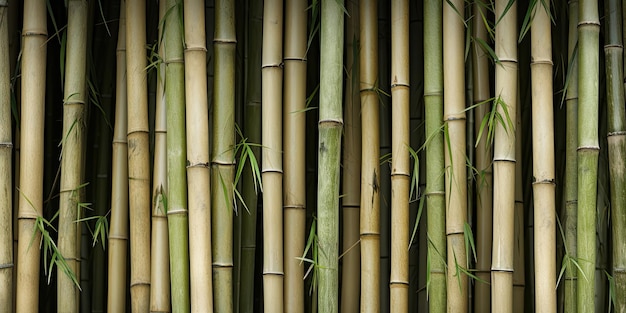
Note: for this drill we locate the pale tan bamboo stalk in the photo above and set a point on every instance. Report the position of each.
(272, 167)
(351, 249)
(138, 156)
(6, 149)
(504, 157)
(198, 172)
(483, 150)
(160, 257)
(454, 148)
(118, 232)
(400, 167)
(370, 171)
(30, 200)
(543, 161)
(294, 196)
(72, 162)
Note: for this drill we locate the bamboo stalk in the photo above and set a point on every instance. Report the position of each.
(351, 250)
(294, 194)
(455, 177)
(160, 255)
(483, 150)
(251, 130)
(272, 167)
(614, 52)
(6, 149)
(504, 158)
(400, 166)
(198, 170)
(138, 156)
(435, 192)
(571, 163)
(543, 161)
(588, 150)
(30, 199)
(118, 232)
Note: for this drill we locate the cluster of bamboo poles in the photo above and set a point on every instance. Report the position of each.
(406, 154)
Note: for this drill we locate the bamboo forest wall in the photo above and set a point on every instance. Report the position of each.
(312, 156)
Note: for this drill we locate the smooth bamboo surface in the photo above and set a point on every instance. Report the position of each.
(118, 232)
(6, 149)
(351, 188)
(72, 162)
(400, 161)
(456, 174)
(506, 85)
(543, 161)
(30, 201)
(272, 148)
(138, 156)
(370, 168)
(588, 150)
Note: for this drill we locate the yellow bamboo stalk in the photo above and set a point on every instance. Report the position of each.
(351, 266)
(294, 196)
(138, 156)
(454, 148)
(400, 166)
(198, 172)
(504, 158)
(30, 200)
(370, 171)
(272, 167)
(118, 232)
(6, 149)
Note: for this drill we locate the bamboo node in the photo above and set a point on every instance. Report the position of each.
(543, 181)
(588, 23)
(294, 207)
(619, 270)
(334, 121)
(580, 148)
(398, 283)
(139, 283)
(617, 133)
(224, 41)
(198, 164)
(6, 265)
(503, 160)
(6, 145)
(195, 48)
(177, 212)
(70, 102)
(34, 33)
(502, 270)
(174, 61)
(299, 59)
(400, 85)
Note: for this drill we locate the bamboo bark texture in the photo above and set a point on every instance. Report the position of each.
(6, 149)
(198, 170)
(272, 147)
(30, 201)
(588, 150)
(370, 155)
(294, 119)
(351, 184)
(543, 160)
(222, 162)
(400, 162)
(455, 172)
(504, 157)
(616, 137)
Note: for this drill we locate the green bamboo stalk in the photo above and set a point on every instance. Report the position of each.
(588, 150)
(329, 153)
(252, 131)
(6, 149)
(543, 161)
(30, 199)
(400, 166)
(138, 156)
(483, 151)
(72, 162)
(571, 164)
(435, 192)
(351, 250)
(222, 163)
(198, 170)
(118, 232)
(294, 119)
(159, 259)
(455, 177)
(176, 158)
(272, 167)
(370, 170)
(504, 157)
(614, 51)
